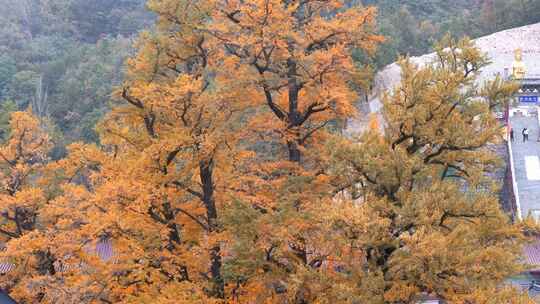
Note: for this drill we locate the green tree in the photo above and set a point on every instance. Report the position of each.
(107, 17)
(65, 60)
(6, 109)
(7, 70)
(426, 218)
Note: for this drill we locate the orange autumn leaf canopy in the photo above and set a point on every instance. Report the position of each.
(217, 174)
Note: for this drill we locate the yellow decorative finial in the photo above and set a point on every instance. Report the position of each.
(518, 67)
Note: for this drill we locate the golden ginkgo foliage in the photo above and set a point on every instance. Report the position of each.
(294, 59)
(216, 174)
(21, 159)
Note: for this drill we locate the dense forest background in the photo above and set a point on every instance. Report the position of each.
(63, 57)
(412, 26)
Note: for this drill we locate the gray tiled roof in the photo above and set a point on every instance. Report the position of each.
(103, 249)
(531, 253)
(5, 266)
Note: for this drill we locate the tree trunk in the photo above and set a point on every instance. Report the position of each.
(294, 115)
(294, 152)
(206, 176)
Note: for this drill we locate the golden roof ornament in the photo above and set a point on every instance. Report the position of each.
(518, 67)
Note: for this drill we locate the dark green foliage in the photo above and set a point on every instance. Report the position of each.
(7, 70)
(412, 26)
(6, 109)
(107, 18)
(64, 57)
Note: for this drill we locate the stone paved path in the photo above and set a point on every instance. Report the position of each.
(529, 190)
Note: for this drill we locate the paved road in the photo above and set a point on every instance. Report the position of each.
(529, 190)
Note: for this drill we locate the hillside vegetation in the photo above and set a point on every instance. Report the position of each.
(214, 168)
(62, 57)
(413, 26)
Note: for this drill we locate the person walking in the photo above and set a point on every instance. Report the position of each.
(525, 134)
(511, 134)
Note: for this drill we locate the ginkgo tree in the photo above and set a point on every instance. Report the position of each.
(294, 59)
(177, 149)
(21, 158)
(426, 219)
(155, 189)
